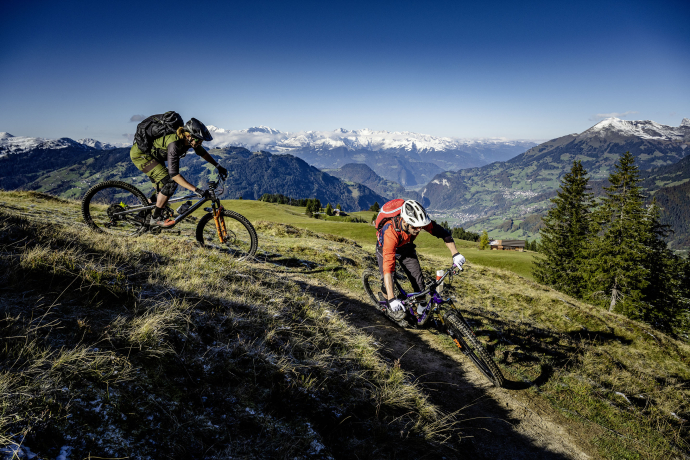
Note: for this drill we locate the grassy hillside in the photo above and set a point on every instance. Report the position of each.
(155, 348)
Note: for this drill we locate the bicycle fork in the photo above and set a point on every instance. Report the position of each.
(220, 224)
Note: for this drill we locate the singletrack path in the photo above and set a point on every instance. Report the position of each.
(496, 423)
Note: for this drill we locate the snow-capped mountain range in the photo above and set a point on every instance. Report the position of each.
(265, 138)
(10, 144)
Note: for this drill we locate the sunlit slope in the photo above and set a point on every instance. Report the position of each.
(517, 262)
(285, 352)
(153, 347)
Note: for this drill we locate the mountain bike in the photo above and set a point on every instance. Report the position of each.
(122, 210)
(418, 312)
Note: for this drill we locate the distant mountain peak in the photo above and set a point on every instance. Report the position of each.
(644, 129)
(100, 145)
(5, 135)
(685, 122)
(263, 129)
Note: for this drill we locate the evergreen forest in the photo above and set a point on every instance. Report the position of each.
(612, 252)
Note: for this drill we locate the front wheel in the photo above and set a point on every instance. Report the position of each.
(103, 208)
(372, 285)
(468, 343)
(240, 241)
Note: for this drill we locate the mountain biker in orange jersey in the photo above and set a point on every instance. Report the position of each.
(171, 148)
(395, 239)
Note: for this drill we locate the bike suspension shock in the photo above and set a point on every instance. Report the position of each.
(220, 224)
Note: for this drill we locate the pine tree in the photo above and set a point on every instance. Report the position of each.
(329, 209)
(375, 207)
(666, 297)
(616, 272)
(565, 232)
(484, 240)
(310, 207)
(338, 207)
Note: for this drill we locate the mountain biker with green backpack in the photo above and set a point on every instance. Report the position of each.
(169, 147)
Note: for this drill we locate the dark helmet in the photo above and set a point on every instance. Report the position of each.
(198, 129)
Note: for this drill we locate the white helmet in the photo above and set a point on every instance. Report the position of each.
(414, 214)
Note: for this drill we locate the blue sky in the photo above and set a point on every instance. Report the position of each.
(521, 70)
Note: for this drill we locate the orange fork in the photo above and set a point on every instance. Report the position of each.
(220, 224)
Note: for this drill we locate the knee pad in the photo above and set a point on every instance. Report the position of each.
(168, 188)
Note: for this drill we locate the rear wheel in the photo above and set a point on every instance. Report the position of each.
(103, 204)
(468, 343)
(241, 241)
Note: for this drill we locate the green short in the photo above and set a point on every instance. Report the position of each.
(150, 166)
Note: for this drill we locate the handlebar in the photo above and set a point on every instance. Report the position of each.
(434, 284)
(213, 185)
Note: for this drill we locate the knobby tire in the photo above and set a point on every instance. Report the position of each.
(113, 194)
(372, 278)
(245, 241)
(473, 348)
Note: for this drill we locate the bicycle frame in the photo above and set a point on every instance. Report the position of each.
(216, 209)
(435, 301)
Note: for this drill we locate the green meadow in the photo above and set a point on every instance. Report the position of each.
(517, 262)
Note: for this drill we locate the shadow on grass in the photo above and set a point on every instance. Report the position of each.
(487, 426)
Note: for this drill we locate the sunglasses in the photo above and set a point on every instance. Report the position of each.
(194, 139)
(410, 228)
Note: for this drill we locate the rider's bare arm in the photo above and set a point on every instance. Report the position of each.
(451, 247)
(183, 182)
(388, 282)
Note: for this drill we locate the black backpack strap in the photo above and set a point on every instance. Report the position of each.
(397, 226)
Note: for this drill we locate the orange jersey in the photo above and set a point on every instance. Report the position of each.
(391, 236)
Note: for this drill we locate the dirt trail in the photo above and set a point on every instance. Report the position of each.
(497, 423)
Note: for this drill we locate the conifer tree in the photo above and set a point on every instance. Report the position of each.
(616, 272)
(565, 232)
(329, 209)
(484, 240)
(667, 296)
(310, 207)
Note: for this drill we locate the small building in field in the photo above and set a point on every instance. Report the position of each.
(338, 212)
(507, 245)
